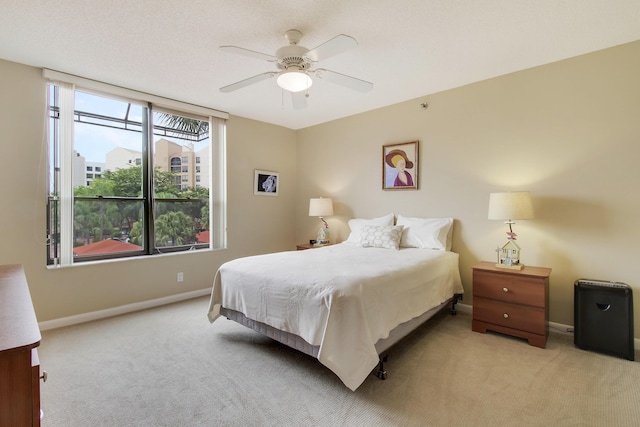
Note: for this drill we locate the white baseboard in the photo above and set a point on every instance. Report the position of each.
(116, 311)
(464, 308)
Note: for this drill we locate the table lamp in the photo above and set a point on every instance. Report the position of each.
(510, 206)
(321, 207)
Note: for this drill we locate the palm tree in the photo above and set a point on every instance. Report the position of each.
(184, 125)
(174, 229)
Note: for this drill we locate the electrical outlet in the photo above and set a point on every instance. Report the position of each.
(180, 277)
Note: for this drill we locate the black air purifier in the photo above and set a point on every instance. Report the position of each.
(603, 317)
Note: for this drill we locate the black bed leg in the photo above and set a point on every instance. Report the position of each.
(453, 305)
(382, 374)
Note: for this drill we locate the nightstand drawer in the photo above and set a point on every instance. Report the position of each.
(509, 288)
(521, 317)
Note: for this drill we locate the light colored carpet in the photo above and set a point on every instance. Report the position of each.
(169, 367)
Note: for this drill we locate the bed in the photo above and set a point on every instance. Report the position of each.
(344, 304)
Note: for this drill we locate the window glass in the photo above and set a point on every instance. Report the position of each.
(107, 132)
(182, 210)
(113, 213)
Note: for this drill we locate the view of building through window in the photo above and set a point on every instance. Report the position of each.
(134, 191)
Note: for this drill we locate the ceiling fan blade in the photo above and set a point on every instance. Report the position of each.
(299, 100)
(344, 80)
(247, 82)
(250, 53)
(336, 45)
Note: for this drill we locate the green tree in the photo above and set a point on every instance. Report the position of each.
(135, 235)
(101, 218)
(173, 229)
(98, 187)
(204, 216)
(164, 182)
(198, 208)
(126, 182)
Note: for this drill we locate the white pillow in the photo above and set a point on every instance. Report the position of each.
(426, 233)
(356, 225)
(381, 236)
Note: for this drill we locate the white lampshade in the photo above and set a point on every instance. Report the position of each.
(513, 205)
(320, 207)
(294, 81)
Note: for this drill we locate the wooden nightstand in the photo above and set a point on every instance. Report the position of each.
(304, 246)
(513, 302)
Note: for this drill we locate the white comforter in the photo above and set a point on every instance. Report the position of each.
(341, 298)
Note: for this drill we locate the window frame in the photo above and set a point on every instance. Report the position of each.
(217, 158)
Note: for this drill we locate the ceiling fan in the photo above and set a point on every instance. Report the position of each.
(295, 66)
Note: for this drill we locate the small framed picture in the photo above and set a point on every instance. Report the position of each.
(400, 166)
(266, 183)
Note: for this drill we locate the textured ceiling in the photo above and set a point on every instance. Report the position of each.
(407, 48)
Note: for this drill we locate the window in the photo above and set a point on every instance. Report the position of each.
(89, 168)
(175, 164)
(138, 204)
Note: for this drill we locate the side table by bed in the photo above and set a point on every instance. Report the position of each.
(305, 246)
(513, 302)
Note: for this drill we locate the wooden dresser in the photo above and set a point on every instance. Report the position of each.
(19, 365)
(513, 302)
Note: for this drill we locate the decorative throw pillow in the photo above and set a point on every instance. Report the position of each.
(381, 236)
(426, 233)
(356, 225)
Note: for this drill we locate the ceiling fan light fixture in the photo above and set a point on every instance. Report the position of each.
(294, 81)
(295, 63)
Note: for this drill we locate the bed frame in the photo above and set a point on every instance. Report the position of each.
(382, 346)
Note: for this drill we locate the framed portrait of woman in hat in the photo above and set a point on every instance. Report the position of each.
(400, 166)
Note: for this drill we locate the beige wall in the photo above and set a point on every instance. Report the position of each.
(255, 224)
(568, 132)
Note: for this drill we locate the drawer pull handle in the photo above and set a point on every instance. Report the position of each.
(506, 316)
(44, 376)
(505, 290)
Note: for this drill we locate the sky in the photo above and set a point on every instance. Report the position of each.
(94, 142)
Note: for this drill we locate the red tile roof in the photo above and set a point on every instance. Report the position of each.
(105, 247)
(203, 236)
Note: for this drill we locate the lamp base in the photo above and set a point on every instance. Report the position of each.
(511, 267)
(323, 236)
